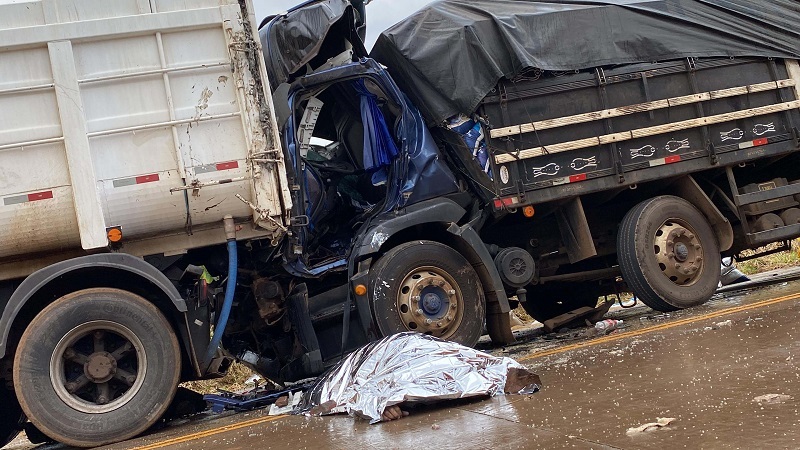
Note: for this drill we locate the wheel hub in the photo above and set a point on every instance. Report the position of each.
(100, 367)
(432, 303)
(428, 302)
(679, 253)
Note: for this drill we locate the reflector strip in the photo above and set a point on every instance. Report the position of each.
(569, 179)
(216, 167)
(576, 178)
(667, 160)
(122, 182)
(756, 143)
(499, 203)
(147, 178)
(25, 198)
(228, 165)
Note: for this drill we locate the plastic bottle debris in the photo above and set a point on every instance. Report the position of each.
(607, 326)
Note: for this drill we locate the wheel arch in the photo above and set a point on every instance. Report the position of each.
(436, 220)
(112, 270)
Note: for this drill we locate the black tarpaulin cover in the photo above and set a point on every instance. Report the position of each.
(449, 55)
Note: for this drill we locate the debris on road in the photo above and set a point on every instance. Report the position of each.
(726, 323)
(282, 401)
(285, 404)
(607, 326)
(660, 422)
(408, 368)
(772, 399)
(256, 398)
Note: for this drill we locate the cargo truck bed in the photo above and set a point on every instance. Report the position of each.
(559, 135)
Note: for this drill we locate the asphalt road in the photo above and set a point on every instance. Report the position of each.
(706, 368)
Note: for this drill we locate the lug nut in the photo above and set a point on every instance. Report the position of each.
(102, 400)
(439, 324)
(452, 292)
(416, 298)
(677, 266)
(428, 321)
(69, 353)
(70, 387)
(130, 379)
(418, 311)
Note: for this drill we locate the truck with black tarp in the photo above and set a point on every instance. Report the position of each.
(180, 189)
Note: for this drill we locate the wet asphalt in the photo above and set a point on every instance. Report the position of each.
(725, 372)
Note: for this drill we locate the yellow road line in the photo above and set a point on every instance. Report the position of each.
(202, 434)
(542, 354)
(665, 326)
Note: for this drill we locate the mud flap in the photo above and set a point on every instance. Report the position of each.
(498, 324)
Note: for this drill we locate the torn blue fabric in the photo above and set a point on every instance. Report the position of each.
(472, 133)
(380, 148)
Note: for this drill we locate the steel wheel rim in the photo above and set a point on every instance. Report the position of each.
(679, 252)
(98, 382)
(429, 301)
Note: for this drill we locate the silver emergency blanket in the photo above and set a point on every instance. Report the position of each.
(411, 367)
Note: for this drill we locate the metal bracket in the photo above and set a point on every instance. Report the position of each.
(601, 76)
(712, 152)
(300, 221)
(647, 95)
(619, 169)
(263, 214)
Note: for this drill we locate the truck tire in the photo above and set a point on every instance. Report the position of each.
(668, 254)
(429, 288)
(13, 419)
(551, 300)
(97, 366)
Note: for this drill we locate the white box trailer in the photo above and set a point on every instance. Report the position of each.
(147, 116)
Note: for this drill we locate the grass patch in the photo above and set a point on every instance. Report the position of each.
(782, 260)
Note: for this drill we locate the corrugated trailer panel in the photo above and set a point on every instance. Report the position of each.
(143, 115)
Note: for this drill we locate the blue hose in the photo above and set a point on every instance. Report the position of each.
(230, 288)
